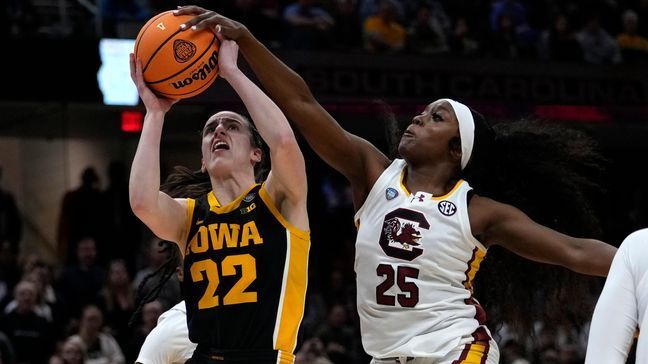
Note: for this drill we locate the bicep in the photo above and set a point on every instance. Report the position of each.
(614, 321)
(345, 152)
(514, 230)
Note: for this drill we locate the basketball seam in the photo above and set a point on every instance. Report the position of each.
(143, 31)
(188, 66)
(158, 49)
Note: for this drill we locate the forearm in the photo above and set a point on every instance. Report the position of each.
(144, 184)
(594, 257)
(268, 118)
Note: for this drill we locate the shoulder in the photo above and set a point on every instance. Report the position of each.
(484, 212)
(635, 246)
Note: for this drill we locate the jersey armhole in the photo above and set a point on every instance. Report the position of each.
(465, 217)
(267, 200)
(184, 240)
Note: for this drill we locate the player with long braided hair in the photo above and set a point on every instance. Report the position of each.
(422, 229)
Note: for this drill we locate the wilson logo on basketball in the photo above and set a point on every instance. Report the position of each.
(183, 50)
(200, 74)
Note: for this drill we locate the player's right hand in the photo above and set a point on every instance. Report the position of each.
(217, 23)
(150, 100)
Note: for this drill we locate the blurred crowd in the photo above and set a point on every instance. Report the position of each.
(591, 31)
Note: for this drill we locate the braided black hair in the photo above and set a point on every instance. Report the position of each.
(166, 271)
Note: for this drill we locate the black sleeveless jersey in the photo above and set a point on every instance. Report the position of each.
(245, 275)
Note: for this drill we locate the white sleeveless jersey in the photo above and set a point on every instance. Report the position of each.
(415, 262)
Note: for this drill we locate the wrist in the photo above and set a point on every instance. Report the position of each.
(156, 115)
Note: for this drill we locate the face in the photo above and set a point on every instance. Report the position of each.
(227, 146)
(118, 274)
(92, 319)
(72, 352)
(429, 135)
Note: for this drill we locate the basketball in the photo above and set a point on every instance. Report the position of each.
(176, 64)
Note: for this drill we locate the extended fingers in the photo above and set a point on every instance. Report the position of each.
(189, 10)
(197, 22)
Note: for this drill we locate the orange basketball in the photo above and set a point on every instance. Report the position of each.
(176, 64)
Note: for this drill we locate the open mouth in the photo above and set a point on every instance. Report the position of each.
(220, 145)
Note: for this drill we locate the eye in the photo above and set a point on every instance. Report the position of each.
(437, 117)
(232, 127)
(208, 130)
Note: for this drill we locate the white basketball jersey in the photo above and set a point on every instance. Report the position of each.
(168, 343)
(415, 262)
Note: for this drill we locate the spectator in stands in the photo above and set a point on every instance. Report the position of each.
(427, 33)
(347, 31)
(150, 314)
(308, 26)
(260, 15)
(81, 282)
(102, 347)
(73, 351)
(382, 32)
(120, 229)
(504, 42)
(117, 301)
(158, 253)
(558, 43)
(30, 334)
(462, 42)
(78, 216)
(634, 47)
(598, 45)
(517, 21)
(337, 336)
(10, 219)
(312, 352)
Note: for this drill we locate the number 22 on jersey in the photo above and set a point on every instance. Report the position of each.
(209, 270)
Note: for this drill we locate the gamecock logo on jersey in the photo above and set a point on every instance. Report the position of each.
(400, 233)
(183, 50)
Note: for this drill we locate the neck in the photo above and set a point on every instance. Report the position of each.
(437, 179)
(228, 188)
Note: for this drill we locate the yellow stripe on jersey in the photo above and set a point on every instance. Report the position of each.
(473, 266)
(439, 198)
(184, 240)
(215, 206)
(476, 354)
(305, 235)
(285, 358)
(293, 294)
(402, 180)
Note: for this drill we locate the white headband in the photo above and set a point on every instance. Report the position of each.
(466, 129)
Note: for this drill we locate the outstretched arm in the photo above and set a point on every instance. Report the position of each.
(161, 213)
(287, 180)
(358, 160)
(501, 224)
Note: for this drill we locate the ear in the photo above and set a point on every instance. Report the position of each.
(454, 147)
(203, 169)
(257, 155)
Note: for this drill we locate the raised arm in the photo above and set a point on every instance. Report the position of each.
(501, 224)
(161, 213)
(286, 183)
(358, 160)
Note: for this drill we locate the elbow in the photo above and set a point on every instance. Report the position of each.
(138, 204)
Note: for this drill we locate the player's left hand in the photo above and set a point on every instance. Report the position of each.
(227, 57)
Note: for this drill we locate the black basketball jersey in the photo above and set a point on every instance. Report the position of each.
(245, 275)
